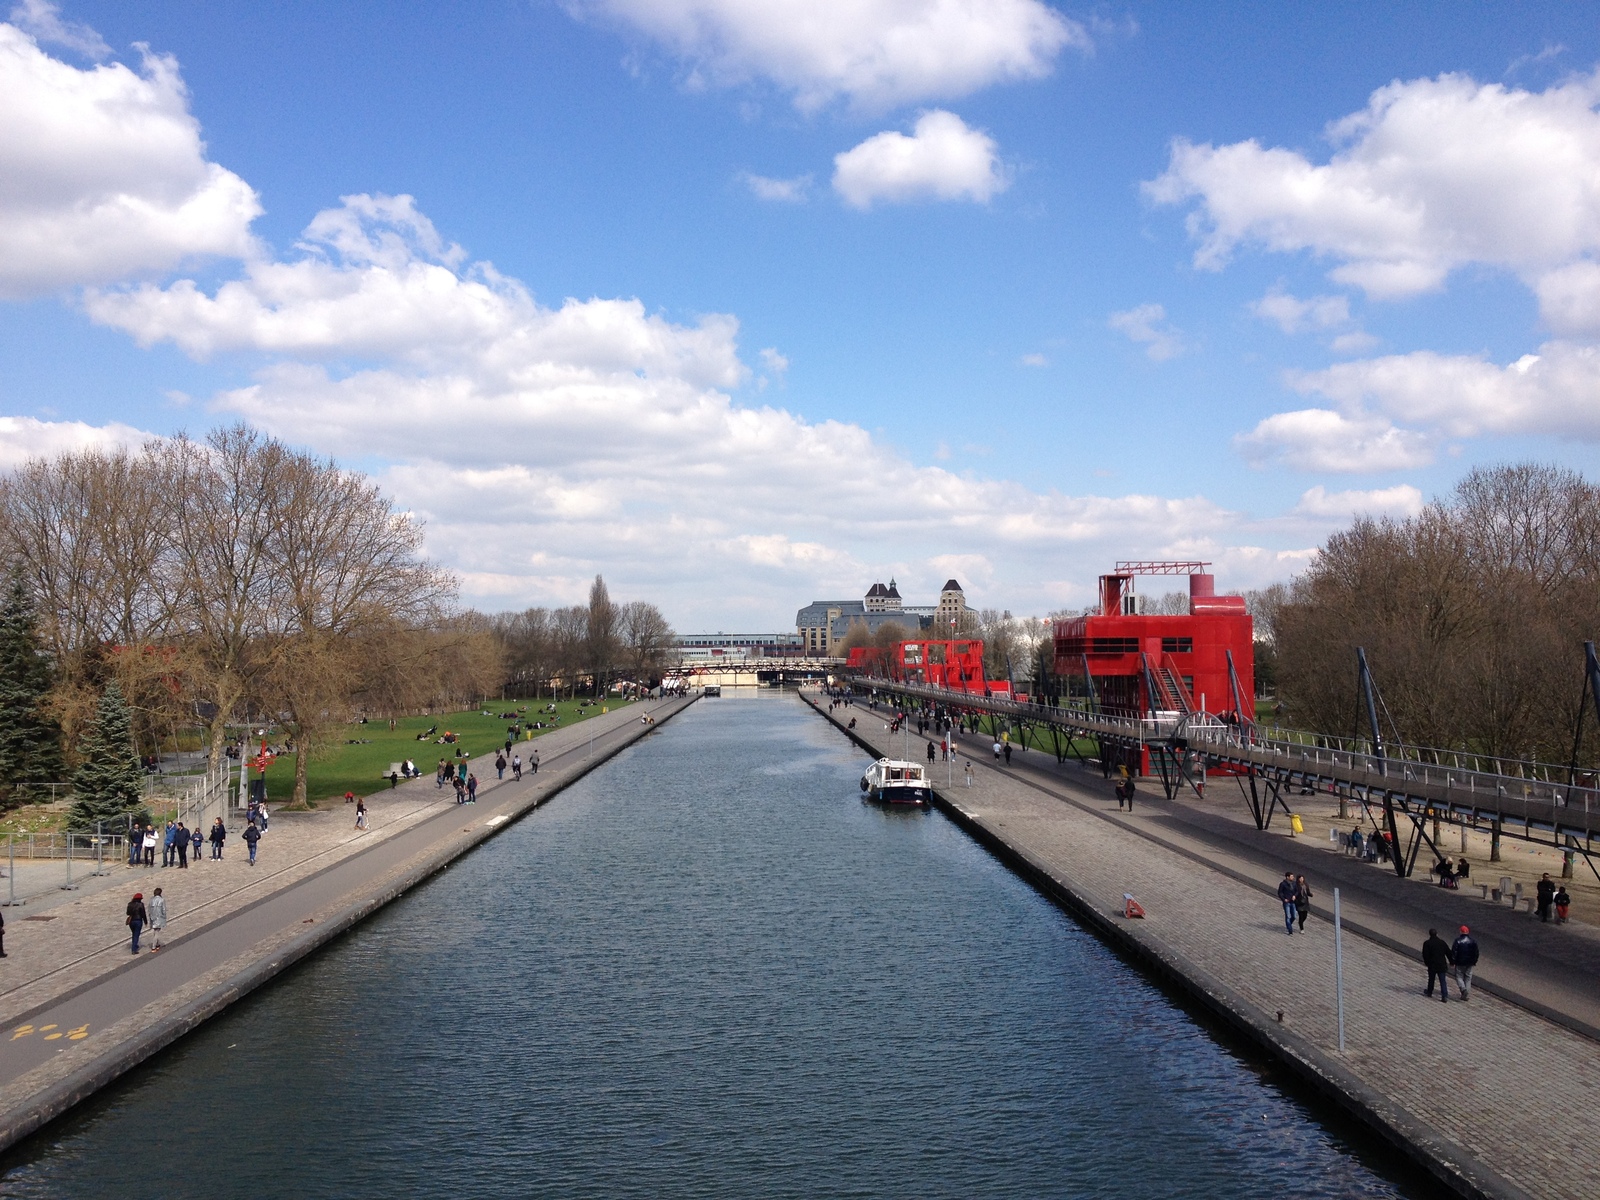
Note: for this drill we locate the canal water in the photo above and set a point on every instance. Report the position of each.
(709, 970)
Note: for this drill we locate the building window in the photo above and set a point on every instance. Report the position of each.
(1177, 645)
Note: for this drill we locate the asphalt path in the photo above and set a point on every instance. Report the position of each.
(150, 977)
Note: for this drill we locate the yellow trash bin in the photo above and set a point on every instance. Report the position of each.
(1295, 825)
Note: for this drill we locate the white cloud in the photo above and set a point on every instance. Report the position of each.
(1402, 500)
(1556, 391)
(1321, 439)
(943, 159)
(544, 444)
(1394, 411)
(1034, 360)
(1569, 298)
(874, 53)
(1357, 341)
(1432, 175)
(42, 21)
(773, 361)
(787, 191)
(23, 438)
(103, 174)
(1293, 315)
(1146, 325)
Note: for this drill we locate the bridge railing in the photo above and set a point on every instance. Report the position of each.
(1532, 792)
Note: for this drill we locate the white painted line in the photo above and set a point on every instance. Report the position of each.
(493, 821)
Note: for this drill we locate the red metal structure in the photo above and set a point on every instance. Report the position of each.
(1137, 664)
(955, 664)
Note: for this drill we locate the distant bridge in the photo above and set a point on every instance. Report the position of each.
(1415, 785)
(755, 672)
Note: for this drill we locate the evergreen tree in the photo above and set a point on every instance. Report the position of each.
(108, 781)
(30, 739)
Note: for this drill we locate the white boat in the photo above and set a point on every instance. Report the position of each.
(897, 782)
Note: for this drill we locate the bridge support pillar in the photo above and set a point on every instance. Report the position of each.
(1494, 842)
(1567, 857)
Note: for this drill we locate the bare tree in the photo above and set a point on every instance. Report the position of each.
(646, 638)
(346, 565)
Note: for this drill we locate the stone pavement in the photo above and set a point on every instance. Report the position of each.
(81, 1009)
(1503, 1100)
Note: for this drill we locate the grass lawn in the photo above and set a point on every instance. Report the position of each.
(361, 767)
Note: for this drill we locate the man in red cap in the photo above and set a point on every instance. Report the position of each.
(1464, 954)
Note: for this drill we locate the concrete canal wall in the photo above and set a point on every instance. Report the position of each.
(1215, 943)
(218, 964)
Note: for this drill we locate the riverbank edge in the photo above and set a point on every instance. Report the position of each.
(1413, 1140)
(54, 1101)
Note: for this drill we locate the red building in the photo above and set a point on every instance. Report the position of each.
(1138, 663)
(956, 664)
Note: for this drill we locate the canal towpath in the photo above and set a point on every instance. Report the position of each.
(1491, 1098)
(77, 1010)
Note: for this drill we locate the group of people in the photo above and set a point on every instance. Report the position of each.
(1452, 872)
(1374, 846)
(176, 842)
(514, 763)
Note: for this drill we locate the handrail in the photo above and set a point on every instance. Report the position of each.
(1336, 759)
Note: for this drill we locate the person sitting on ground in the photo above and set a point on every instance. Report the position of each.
(1357, 842)
(1563, 904)
(1463, 870)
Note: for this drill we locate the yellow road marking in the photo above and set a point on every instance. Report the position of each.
(50, 1037)
(22, 1032)
(78, 1034)
(47, 1028)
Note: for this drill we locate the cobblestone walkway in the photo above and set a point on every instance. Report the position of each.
(1517, 1092)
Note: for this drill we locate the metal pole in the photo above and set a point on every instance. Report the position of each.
(1338, 964)
(99, 848)
(11, 868)
(69, 886)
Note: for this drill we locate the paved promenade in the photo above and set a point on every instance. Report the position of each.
(1494, 1099)
(79, 1009)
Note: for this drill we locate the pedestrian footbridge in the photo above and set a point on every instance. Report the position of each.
(1401, 789)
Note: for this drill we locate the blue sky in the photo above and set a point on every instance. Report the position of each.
(745, 302)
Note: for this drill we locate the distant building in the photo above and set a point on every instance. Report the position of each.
(952, 606)
(823, 624)
(696, 647)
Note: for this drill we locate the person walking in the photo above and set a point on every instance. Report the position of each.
(2, 935)
(472, 789)
(1436, 957)
(251, 836)
(500, 765)
(1547, 896)
(361, 813)
(219, 834)
(199, 840)
(167, 840)
(1286, 896)
(461, 792)
(261, 815)
(933, 754)
(1302, 900)
(1563, 906)
(1464, 954)
(997, 751)
(533, 761)
(966, 768)
(180, 847)
(148, 842)
(135, 844)
(1007, 749)
(137, 917)
(158, 919)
